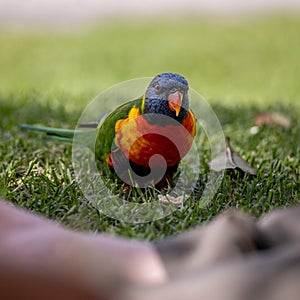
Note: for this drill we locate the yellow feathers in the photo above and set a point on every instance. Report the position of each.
(133, 113)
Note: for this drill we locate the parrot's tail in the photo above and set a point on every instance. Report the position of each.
(84, 136)
(56, 133)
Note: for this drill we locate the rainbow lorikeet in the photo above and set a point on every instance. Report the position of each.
(130, 137)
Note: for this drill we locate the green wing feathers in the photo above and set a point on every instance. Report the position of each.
(106, 130)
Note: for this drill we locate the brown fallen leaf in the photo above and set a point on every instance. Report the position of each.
(273, 118)
(230, 160)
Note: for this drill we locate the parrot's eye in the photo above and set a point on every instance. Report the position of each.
(157, 88)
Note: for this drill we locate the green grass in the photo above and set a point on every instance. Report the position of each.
(241, 67)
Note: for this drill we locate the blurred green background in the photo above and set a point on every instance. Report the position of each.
(231, 61)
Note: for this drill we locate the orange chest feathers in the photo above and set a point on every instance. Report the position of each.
(140, 140)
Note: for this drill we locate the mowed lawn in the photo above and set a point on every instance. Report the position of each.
(241, 67)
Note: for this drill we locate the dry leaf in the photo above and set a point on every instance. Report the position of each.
(230, 160)
(273, 118)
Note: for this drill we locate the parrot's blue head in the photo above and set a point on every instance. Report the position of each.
(167, 94)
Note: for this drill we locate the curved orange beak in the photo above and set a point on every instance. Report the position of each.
(175, 101)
